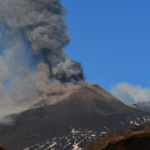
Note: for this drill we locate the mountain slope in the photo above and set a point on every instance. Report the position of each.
(81, 116)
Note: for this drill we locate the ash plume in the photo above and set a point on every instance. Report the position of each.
(33, 62)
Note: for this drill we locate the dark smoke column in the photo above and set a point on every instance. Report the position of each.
(44, 27)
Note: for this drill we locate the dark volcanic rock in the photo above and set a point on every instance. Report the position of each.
(80, 117)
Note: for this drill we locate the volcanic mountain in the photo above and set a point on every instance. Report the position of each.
(80, 116)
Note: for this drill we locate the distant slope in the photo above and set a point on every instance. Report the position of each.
(81, 116)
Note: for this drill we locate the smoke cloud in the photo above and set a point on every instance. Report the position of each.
(131, 94)
(33, 62)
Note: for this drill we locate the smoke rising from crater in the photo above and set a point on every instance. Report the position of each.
(33, 62)
(42, 25)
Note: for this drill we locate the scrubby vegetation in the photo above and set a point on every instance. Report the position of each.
(133, 138)
(136, 141)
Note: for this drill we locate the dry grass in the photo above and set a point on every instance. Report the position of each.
(140, 134)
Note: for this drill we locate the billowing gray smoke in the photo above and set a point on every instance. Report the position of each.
(44, 27)
(32, 61)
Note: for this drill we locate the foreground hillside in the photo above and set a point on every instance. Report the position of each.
(2, 148)
(80, 116)
(133, 138)
(137, 141)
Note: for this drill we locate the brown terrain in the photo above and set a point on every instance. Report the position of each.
(133, 138)
(2, 148)
(136, 141)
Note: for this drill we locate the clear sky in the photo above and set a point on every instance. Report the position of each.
(111, 38)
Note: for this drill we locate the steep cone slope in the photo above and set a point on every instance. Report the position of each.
(81, 116)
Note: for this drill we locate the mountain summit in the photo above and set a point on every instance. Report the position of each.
(81, 115)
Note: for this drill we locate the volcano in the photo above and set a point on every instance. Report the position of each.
(80, 116)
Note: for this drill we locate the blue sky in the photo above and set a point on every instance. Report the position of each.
(111, 38)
